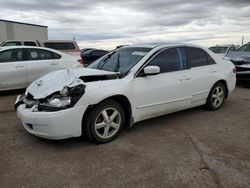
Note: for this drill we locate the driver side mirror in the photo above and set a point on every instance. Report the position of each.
(151, 70)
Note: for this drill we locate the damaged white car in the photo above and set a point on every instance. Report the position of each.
(130, 84)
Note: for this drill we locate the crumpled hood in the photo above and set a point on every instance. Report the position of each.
(239, 56)
(55, 81)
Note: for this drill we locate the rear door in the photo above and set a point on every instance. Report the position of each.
(203, 70)
(12, 69)
(40, 62)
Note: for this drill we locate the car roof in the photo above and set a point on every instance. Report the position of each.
(163, 45)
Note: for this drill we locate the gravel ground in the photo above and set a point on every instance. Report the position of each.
(192, 148)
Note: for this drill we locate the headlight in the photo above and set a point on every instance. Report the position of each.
(64, 99)
(60, 102)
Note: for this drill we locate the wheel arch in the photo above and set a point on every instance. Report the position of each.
(225, 85)
(122, 100)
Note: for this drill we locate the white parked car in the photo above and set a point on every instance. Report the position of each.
(130, 84)
(21, 65)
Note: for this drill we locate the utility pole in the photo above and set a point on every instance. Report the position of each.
(242, 40)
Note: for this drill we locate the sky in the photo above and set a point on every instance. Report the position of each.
(106, 24)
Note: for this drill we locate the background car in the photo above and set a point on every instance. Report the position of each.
(128, 85)
(67, 46)
(21, 65)
(222, 50)
(90, 55)
(241, 60)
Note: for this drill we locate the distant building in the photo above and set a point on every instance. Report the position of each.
(10, 30)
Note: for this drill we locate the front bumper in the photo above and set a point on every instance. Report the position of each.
(52, 125)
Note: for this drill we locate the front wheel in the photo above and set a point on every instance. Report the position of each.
(216, 97)
(105, 122)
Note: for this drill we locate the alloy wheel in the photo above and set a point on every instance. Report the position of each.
(107, 123)
(217, 96)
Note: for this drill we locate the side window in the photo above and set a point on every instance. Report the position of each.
(29, 43)
(37, 54)
(210, 61)
(11, 55)
(198, 57)
(13, 43)
(169, 60)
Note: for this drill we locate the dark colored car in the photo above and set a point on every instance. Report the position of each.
(90, 55)
(241, 60)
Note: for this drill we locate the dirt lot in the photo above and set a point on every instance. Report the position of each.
(192, 148)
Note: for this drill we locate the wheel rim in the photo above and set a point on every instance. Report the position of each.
(107, 123)
(217, 96)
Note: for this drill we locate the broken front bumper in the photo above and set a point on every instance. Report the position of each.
(51, 125)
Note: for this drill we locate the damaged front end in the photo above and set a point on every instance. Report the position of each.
(59, 100)
(241, 60)
(61, 89)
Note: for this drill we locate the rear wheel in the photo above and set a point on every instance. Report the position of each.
(216, 97)
(105, 122)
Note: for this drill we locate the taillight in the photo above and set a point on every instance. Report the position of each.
(234, 70)
(80, 61)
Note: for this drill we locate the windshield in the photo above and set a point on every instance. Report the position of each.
(245, 48)
(121, 60)
(219, 50)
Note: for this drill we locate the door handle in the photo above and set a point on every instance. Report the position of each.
(213, 71)
(184, 77)
(19, 66)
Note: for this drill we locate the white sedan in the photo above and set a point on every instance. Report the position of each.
(21, 65)
(130, 84)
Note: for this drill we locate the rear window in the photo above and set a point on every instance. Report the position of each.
(29, 43)
(60, 46)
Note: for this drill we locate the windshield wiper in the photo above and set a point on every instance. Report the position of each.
(100, 65)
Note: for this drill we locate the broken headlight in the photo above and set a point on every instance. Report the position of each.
(60, 102)
(66, 98)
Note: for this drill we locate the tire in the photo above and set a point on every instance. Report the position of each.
(216, 97)
(105, 122)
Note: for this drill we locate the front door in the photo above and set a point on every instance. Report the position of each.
(166, 92)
